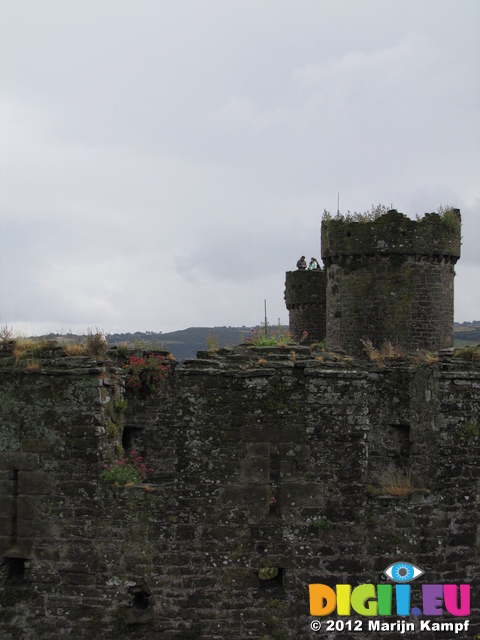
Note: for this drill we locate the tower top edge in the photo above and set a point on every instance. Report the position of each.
(393, 233)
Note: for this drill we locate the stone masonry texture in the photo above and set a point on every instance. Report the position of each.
(305, 298)
(271, 472)
(391, 280)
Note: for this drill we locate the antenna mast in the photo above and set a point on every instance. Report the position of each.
(266, 322)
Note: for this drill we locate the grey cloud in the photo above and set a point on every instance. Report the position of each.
(163, 164)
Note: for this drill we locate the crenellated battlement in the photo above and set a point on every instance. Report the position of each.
(393, 234)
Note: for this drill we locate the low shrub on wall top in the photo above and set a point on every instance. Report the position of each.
(146, 373)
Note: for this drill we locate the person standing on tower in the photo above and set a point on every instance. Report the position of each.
(302, 264)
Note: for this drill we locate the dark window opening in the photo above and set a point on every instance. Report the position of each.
(140, 597)
(271, 577)
(401, 433)
(129, 438)
(15, 570)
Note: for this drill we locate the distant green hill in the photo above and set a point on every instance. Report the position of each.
(185, 343)
(182, 344)
(466, 334)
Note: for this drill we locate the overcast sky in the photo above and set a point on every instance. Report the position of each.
(164, 162)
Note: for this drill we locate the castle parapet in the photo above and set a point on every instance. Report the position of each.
(305, 301)
(393, 233)
(391, 279)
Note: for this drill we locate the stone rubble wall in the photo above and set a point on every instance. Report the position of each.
(391, 279)
(407, 302)
(385, 280)
(305, 299)
(268, 469)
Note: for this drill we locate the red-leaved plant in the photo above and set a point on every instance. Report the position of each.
(146, 373)
(126, 470)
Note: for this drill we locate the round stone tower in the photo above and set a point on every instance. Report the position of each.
(391, 279)
(305, 301)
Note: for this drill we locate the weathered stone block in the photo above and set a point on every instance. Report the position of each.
(256, 470)
(18, 460)
(7, 505)
(35, 482)
(6, 525)
(240, 578)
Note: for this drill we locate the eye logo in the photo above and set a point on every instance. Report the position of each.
(402, 572)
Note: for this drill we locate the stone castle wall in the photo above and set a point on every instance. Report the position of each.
(387, 280)
(269, 466)
(305, 293)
